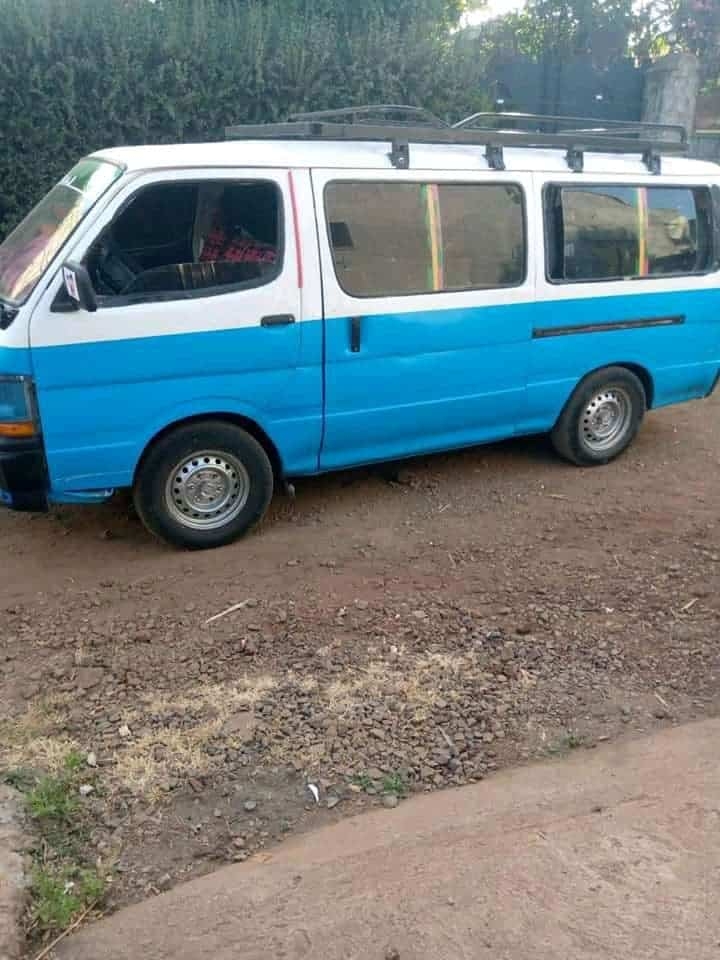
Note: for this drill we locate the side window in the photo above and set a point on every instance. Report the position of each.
(483, 234)
(627, 232)
(157, 217)
(174, 240)
(379, 238)
(390, 239)
(679, 236)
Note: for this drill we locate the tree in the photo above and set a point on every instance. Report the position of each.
(350, 14)
(611, 29)
(692, 26)
(561, 29)
(78, 75)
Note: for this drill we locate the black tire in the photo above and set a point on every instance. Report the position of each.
(614, 392)
(206, 452)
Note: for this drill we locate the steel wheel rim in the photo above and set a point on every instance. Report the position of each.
(207, 490)
(606, 419)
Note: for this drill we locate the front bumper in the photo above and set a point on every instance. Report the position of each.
(23, 475)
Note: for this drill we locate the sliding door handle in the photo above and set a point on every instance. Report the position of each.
(278, 320)
(355, 328)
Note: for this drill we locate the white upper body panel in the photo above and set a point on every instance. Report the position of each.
(529, 166)
(359, 155)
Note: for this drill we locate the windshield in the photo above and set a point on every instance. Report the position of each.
(33, 244)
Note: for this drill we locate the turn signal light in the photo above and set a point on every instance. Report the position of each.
(18, 429)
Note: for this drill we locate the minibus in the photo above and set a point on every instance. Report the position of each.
(202, 323)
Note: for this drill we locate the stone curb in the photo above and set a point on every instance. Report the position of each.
(13, 890)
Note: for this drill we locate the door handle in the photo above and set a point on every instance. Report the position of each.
(355, 327)
(278, 320)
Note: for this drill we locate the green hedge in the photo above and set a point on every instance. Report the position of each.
(78, 75)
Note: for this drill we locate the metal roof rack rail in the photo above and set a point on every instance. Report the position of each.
(391, 113)
(398, 136)
(494, 131)
(585, 133)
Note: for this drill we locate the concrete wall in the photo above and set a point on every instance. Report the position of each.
(671, 96)
(708, 112)
(671, 90)
(706, 146)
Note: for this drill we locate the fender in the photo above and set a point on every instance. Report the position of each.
(203, 407)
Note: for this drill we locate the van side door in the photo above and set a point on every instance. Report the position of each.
(428, 290)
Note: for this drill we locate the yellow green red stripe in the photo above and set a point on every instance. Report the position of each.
(642, 205)
(434, 227)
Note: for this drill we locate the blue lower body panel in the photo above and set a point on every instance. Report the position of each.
(678, 359)
(429, 381)
(423, 381)
(420, 382)
(102, 403)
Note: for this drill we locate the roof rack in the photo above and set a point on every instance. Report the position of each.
(394, 113)
(494, 131)
(581, 133)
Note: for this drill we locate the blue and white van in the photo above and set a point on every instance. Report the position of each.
(369, 297)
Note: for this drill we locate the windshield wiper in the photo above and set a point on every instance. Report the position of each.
(7, 315)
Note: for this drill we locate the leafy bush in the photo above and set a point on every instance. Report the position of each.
(79, 75)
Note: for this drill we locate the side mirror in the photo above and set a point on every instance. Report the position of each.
(79, 286)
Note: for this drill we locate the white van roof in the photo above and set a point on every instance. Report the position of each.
(371, 155)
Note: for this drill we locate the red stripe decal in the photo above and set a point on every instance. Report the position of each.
(296, 225)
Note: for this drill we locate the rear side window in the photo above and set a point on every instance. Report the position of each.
(627, 232)
(409, 238)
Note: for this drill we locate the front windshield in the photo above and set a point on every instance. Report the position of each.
(34, 243)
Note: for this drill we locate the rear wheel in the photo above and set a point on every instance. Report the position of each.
(203, 485)
(601, 418)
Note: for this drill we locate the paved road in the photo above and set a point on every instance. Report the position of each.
(606, 855)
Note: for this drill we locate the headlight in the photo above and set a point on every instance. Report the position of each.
(17, 407)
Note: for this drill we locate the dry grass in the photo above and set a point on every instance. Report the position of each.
(40, 753)
(303, 683)
(146, 763)
(139, 770)
(220, 699)
(419, 683)
(36, 740)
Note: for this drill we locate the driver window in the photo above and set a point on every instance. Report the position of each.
(174, 240)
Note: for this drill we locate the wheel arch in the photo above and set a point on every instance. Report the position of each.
(246, 423)
(645, 378)
(641, 372)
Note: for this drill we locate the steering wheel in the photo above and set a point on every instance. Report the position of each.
(116, 269)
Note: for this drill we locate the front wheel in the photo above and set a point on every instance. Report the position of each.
(601, 418)
(203, 485)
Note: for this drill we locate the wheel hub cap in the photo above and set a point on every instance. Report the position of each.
(207, 490)
(606, 419)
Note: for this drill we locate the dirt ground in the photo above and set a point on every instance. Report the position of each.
(400, 629)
